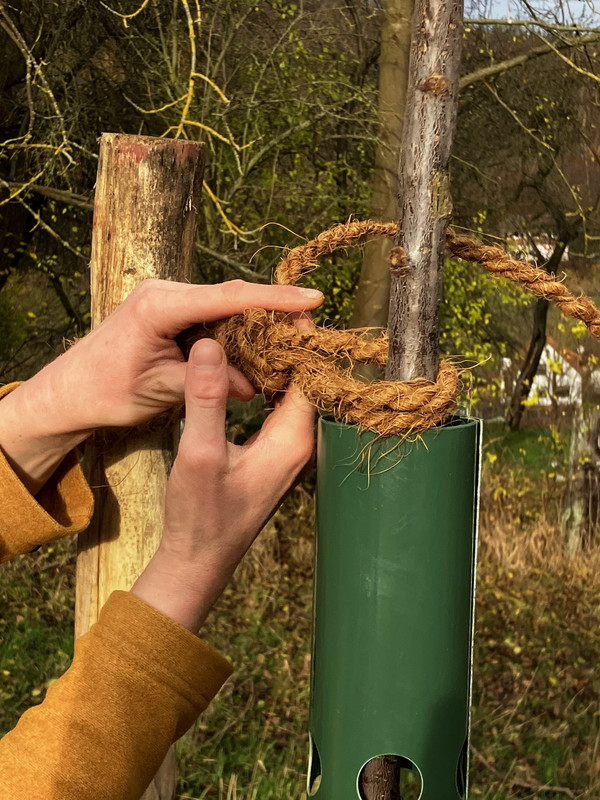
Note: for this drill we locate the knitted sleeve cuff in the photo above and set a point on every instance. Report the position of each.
(137, 682)
(172, 656)
(63, 506)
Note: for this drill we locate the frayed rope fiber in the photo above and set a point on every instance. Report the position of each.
(274, 355)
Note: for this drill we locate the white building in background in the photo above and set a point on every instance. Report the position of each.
(522, 247)
(558, 380)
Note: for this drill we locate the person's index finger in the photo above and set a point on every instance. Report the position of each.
(235, 297)
(202, 303)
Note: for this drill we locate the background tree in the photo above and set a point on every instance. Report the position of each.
(534, 177)
(524, 163)
(282, 93)
(373, 293)
(534, 174)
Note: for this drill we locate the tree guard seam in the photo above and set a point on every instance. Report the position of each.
(274, 355)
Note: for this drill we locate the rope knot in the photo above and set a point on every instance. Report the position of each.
(274, 354)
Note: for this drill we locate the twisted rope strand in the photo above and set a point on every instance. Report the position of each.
(274, 354)
(304, 258)
(536, 280)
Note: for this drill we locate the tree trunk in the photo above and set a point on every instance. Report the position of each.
(424, 211)
(380, 779)
(537, 342)
(424, 202)
(147, 195)
(580, 520)
(530, 365)
(372, 298)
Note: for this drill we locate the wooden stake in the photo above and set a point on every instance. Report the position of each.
(147, 196)
(425, 205)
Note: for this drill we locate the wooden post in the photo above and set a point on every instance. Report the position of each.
(147, 196)
(417, 259)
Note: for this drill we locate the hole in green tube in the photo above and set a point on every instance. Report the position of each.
(313, 780)
(398, 776)
(461, 769)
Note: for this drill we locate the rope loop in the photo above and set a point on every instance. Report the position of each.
(274, 354)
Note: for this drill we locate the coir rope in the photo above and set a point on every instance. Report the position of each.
(274, 354)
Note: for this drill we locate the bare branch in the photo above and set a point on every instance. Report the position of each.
(493, 70)
(528, 23)
(585, 72)
(43, 224)
(475, 169)
(66, 303)
(60, 196)
(236, 266)
(126, 17)
(517, 119)
(7, 24)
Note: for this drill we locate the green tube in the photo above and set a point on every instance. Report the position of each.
(394, 604)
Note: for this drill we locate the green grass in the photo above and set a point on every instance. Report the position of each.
(536, 450)
(536, 689)
(36, 627)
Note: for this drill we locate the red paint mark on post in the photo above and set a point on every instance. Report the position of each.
(135, 150)
(185, 151)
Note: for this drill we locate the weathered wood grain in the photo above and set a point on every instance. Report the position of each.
(147, 196)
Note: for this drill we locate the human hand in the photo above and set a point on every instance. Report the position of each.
(126, 370)
(130, 368)
(219, 495)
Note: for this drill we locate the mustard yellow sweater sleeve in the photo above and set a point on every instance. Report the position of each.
(63, 506)
(137, 682)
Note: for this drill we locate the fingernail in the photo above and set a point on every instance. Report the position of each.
(207, 353)
(312, 294)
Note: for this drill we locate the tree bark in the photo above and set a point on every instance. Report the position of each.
(530, 365)
(147, 195)
(424, 202)
(380, 779)
(581, 517)
(537, 342)
(372, 298)
(423, 213)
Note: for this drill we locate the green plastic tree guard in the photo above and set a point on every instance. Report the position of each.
(394, 606)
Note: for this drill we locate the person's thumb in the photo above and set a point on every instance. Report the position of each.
(206, 390)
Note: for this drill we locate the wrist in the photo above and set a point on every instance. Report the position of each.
(36, 433)
(183, 591)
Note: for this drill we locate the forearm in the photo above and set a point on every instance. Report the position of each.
(37, 430)
(136, 684)
(182, 590)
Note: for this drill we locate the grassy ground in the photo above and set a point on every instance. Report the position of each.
(536, 720)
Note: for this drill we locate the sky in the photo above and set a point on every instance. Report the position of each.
(565, 12)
